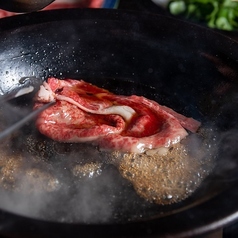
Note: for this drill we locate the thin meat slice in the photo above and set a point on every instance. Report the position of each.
(187, 122)
(67, 123)
(86, 113)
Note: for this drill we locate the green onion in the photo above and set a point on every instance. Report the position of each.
(220, 14)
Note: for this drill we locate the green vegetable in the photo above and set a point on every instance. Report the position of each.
(220, 14)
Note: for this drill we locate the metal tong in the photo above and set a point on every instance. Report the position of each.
(26, 85)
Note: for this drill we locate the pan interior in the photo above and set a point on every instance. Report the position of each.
(174, 66)
(36, 170)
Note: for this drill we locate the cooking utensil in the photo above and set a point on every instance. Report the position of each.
(24, 120)
(26, 85)
(184, 66)
(24, 5)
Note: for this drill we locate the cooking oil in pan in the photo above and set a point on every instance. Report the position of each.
(37, 165)
(169, 177)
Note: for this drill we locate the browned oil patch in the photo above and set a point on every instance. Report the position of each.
(19, 172)
(166, 179)
(88, 170)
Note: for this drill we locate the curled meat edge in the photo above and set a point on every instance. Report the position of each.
(131, 144)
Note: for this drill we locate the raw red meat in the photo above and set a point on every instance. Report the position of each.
(86, 113)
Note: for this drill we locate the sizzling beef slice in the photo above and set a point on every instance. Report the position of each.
(86, 113)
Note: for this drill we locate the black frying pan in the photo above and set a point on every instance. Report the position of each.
(189, 68)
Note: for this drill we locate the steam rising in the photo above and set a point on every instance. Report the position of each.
(171, 177)
(84, 206)
(48, 180)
